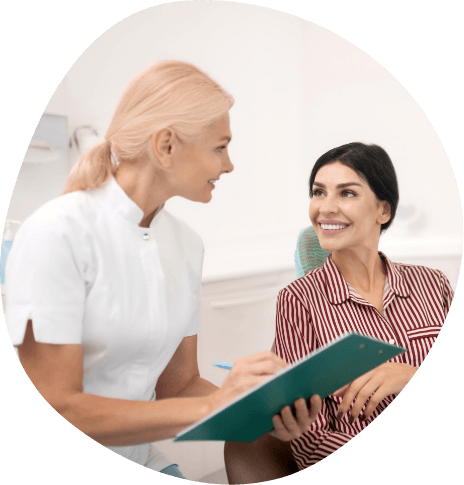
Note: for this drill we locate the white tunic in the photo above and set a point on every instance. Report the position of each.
(85, 273)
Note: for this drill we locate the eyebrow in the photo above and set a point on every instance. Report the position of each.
(226, 138)
(339, 186)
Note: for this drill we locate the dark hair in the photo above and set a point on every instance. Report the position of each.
(372, 164)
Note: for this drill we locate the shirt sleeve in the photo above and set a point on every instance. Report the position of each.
(291, 324)
(44, 284)
(447, 293)
(194, 323)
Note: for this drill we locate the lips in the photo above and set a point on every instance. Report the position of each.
(332, 226)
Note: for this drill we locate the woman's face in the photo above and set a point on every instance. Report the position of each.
(344, 211)
(202, 161)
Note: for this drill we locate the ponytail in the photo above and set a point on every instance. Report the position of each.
(91, 170)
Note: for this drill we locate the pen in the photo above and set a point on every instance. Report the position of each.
(223, 365)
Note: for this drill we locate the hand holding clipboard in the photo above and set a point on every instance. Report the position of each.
(322, 372)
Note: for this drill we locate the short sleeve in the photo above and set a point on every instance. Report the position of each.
(194, 323)
(44, 283)
(291, 324)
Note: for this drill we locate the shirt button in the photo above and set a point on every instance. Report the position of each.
(391, 341)
(146, 237)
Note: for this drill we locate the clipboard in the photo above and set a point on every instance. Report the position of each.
(322, 372)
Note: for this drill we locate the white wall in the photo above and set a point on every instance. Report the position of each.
(39, 183)
(300, 90)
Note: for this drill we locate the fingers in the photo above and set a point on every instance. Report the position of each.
(363, 391)
(303, 419)
(341, 391)
(289, 421)
(373, 403)
(279, 431)
(262, 362)
(351, 392)
(364, 395)
(288, 427)
(315, 409)
(246, 373)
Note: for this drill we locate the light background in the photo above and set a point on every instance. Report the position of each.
(300, 90)
(419, 47)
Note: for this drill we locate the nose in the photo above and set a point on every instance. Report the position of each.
(228, 166)
(329, 205)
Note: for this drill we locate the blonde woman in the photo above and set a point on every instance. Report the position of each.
(104, 284)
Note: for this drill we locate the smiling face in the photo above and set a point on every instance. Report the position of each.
(200, 163)
(344, 211)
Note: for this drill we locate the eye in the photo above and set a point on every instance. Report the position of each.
(219, 149)
(317, 193)
(348, 193)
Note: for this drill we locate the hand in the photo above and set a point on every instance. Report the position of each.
(386, 379)
(246, 373)
(287, 428)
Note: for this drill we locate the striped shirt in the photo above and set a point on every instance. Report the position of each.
(320, 306)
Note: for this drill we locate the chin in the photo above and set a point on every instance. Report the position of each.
(203, 198)
(330, 245)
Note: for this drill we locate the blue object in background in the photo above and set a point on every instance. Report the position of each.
(223, 365)
(6, 247)
(308, 253)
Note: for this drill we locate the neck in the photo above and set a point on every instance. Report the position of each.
(362, 268)
(144, 185)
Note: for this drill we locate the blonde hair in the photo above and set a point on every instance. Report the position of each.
(168, 94)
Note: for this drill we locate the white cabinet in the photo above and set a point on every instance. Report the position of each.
(237, 319)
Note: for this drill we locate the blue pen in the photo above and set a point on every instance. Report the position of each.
(223, 365)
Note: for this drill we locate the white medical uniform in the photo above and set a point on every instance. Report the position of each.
(85, 273)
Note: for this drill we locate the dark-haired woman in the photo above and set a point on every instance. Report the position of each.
(354, 196)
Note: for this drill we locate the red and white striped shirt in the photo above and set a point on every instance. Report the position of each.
(320, 306)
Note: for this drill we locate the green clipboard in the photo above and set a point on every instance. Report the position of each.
(322, 372)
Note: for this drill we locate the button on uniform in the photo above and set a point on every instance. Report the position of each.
(391, 341)
(146, 237)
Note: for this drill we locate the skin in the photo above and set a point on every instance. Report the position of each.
(177, 168)
(340, 194)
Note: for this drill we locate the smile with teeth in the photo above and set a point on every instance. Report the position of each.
(333, 226)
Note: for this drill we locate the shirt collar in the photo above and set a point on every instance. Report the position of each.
(337, 290)
(113, 196)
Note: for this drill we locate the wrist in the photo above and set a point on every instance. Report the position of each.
(414, 369)
(211, 402)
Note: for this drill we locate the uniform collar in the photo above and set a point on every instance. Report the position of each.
(337, 290)
(114, 197)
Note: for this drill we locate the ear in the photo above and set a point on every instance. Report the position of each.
(385, 215)
(162, 144)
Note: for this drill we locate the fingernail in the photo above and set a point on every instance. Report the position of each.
(351, 419)
(340, 414)
(363, 417)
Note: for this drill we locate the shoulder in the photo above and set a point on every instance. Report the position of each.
(57, 216)
(413, 272)
(181, 231)
(422, 279)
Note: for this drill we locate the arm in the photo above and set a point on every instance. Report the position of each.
(374, 386)
(269, 458)
(181, 377)
(388, 378)
(57, 373)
